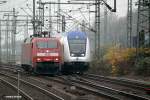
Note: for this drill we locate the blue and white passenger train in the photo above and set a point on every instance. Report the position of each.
(76, 52)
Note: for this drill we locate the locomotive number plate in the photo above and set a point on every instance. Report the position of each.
(51, 54)
(47, 54)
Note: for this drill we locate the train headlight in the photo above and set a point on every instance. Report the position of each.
(82, 55)
(56, 59)
(72, 54)
(38, 59)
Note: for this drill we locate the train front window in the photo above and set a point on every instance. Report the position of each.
(77, 46)
(47, 44)
(42, 44)
(77, 41)
(52, 44)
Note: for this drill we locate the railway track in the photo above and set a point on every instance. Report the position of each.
(122, 81)
(90, 84)
(67, 87)
(122, 95)
(46, 83)
(107, 91)
(33, 91)
(56, 88)
(134, 89)
(67, 91)
(12, 68)
(72, 94)
(23, 95)
(70, 81)
(135, 86)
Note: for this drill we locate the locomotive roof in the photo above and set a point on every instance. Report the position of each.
(33, 39)
(43, 38)
(76, 34)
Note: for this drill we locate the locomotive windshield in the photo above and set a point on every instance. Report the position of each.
(47, 44)
(77, 46)
(52, 44)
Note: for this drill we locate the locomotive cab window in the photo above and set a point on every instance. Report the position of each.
(52, 44)
(47, 44)
(42, 44)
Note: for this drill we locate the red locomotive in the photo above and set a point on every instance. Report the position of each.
(42, 55)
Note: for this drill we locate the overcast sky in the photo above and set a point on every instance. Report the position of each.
(121, 5)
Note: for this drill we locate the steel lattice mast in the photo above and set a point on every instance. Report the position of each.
(97, 28)
(0, 44)
(105, 23)
(129, 24)
(13, 37)
(143, 20)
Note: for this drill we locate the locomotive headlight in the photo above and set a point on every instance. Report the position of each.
(56, 59)
(82, 55)
(38, 59)
(72, 54)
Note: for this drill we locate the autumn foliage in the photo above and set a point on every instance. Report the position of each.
(117, 55)
(123, 60)
(118, 61)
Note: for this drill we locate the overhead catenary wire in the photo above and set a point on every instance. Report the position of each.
(74, 19)
(29, 8)
(26, 12)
